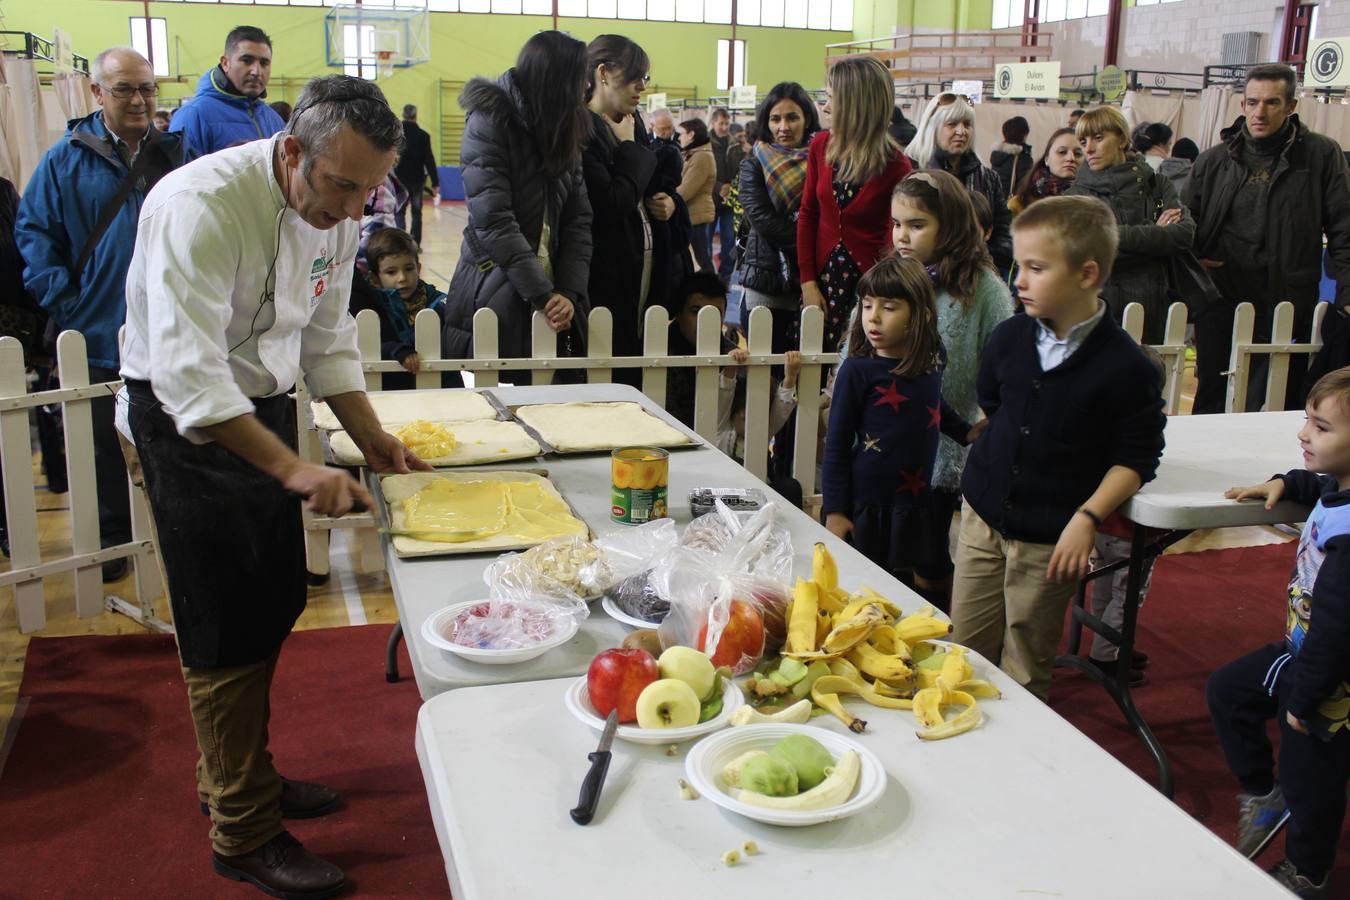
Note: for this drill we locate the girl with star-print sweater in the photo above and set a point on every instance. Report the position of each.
(885, 417)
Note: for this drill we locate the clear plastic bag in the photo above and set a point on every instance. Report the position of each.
(632, 556)
(727, 587)
(529, 596)
(567, 567)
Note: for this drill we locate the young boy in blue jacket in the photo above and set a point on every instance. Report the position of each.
(393, 261)
(1075, 428)
(1301, 681)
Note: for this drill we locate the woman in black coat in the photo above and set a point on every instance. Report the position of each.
(772, 178)
(627, 205)
(527, 246)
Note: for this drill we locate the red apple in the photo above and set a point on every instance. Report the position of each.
(616, 677)
(742, 641)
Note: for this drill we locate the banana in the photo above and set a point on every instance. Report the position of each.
(837, 684)
(832, 704)
(964, 721)
(953, 668)
(920, 627)
(871, 661)
(834, 790)
(823, 624)
(883, 639)
(824, 570)
(801, 636)
(833, 601)
(797, 713)
(892, 611)
(845, 669)
(851, 609)
(853, 631)
(927, 705)
(978, 687)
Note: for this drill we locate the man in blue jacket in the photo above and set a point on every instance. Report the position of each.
(230, 104)
(76, 229)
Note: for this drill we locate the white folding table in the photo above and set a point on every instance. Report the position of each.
(1025, 806)
(422, 586)
(1204, 456)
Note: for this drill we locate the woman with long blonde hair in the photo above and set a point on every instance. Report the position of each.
(946, 141)
(844, 224)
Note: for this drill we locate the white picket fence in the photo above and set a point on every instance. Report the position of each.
(28, 569)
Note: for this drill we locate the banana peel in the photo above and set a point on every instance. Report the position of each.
(928, 705)
(831, 703)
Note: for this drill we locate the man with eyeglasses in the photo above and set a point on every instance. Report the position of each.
(1262, 201)
(76, 229)
(230, 105)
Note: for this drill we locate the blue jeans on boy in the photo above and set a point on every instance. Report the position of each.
(1311, 772)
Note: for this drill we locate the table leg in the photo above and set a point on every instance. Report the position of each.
(1118, 685)
(391, 653)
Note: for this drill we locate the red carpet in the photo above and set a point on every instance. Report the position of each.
(98, 796)
(1204, 610)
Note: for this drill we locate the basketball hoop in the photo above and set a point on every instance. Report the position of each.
(384, 60)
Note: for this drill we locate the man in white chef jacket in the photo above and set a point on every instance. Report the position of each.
(239, 284)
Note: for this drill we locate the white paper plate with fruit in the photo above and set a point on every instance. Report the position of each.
(667, 701)
(790, 775)
(499, 632)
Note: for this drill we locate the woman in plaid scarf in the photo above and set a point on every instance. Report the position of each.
(1053, 173)
(772, 178)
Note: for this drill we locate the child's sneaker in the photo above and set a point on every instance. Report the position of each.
(1257, 818)
(1302, 886)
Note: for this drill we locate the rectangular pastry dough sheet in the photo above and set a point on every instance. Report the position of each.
(402, 407)
(476, 442)
(397, 488)
(581, 427)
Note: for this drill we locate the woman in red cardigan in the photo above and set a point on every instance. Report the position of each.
(844, 225)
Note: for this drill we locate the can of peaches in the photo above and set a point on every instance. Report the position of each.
(640, 491)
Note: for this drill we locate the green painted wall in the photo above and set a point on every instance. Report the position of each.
(877, 18)
(683, 55)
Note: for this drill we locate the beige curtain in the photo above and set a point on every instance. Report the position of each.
(1331, 119)
(1139, 107)
(72, 95)
(29, 135)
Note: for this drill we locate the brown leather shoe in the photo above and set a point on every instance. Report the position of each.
(283, 868)
(302, 800)
(306, 800)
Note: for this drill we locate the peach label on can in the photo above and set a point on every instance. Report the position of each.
(640, 479)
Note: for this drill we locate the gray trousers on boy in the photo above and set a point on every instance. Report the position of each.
(1108, 594)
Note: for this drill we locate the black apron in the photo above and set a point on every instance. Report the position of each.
(231, 536)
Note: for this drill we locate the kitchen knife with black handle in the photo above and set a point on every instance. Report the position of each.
(595, 778)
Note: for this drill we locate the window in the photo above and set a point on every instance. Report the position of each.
(1009, 13)
(156, 45)
(358, 51)
(817, 15)
(736, 49)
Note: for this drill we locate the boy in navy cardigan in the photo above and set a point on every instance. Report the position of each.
(1075, 428)
(1303, 681)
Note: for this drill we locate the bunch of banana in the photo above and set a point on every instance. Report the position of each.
(876, 652)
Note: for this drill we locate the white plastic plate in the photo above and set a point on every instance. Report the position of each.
(579, 704)
(706, 760)
(437, 626)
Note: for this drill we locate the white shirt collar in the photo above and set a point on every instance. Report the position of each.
(1054, 350)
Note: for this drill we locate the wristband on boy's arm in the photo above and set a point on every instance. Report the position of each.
(1096, 519)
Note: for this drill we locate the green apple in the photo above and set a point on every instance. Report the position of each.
(690, 666)
(667, 703)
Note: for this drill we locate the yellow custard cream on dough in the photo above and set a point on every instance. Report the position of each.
(427, 439)
(452, 511)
